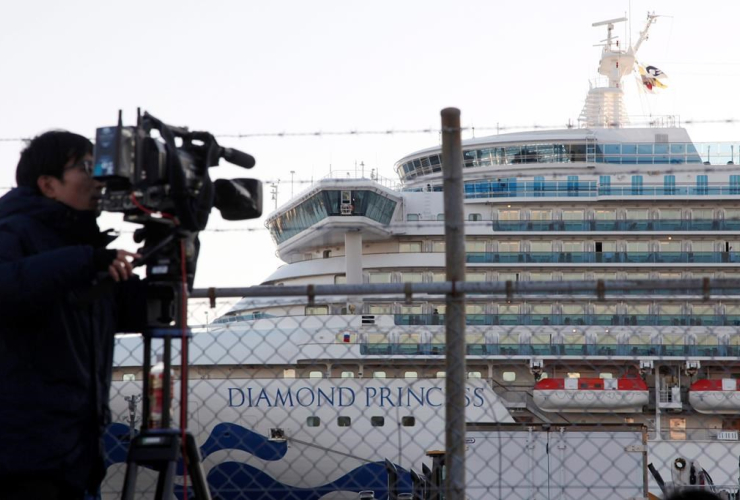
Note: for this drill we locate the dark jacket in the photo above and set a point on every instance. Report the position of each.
(57, 322)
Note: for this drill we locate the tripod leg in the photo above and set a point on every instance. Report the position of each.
(195, 469)
(129, 483)
(166, 481)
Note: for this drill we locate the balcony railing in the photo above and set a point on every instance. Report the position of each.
(603, 257)
(575, 319)
(618, 225)
(429, 349)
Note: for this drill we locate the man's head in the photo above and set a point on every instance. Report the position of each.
(58, 164)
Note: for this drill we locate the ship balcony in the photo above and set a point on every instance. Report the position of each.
(557, 350)
(668, 225)
(573, 320)
(603, 258)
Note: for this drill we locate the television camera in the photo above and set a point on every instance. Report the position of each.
(164, 184)
(158, 176)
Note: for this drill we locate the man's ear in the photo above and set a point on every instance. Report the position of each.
(47, 185)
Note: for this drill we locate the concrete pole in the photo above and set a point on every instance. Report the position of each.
(455, 313)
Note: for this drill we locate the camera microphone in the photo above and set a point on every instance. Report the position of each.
(237, 157)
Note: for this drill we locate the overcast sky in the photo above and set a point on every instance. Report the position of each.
(299, 66)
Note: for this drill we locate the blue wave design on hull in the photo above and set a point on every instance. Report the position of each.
(239, 481)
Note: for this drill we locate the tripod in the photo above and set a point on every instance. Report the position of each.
(161, 449)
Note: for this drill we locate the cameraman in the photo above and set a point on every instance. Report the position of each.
(58, 315)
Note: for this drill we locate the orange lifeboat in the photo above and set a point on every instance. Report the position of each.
(593, 395)
(720, 395)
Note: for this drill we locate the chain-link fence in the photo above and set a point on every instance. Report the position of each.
(572, 390)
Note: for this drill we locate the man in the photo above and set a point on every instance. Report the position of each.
(59, 309)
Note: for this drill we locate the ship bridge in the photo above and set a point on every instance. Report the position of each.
(330, 212)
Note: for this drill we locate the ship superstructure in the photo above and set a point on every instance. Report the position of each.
(603, 201)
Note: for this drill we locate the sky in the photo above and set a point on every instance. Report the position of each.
(258, 67)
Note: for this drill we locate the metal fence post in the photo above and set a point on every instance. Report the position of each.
(455, 303)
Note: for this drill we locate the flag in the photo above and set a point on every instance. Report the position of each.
(649, 78)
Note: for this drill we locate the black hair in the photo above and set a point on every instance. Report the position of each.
(47, 154)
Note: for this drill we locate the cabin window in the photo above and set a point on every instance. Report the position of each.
(475, 375)
(605, 375)
(411, 375)
(573, 214)
(440, 374)
(440, 216)
(379, 309)
(439, 277)
(540, 215)
(475, 217)
(348, 374)
(509, 376)
(344, 421)
(508, 215)
(317, 310)
(508, 277)
(313, 421)
(509, 246)
(479, 276)
(380, 277)
(316, 374)
(574, 375)
(408, 421)
(377, 421)
(412, 217)
(438, 246)
(327, 254)
(409, 247)
(289, 373)
(379, 375)
(128, 377)
(412, 277)
(340, 279)
(475, 246)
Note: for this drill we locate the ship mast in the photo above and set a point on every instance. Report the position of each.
(604, 107)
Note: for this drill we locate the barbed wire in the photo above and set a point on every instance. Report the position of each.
(427, 130)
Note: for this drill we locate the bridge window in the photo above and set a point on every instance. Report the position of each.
(377, 421)
(313, 421)
(344, 421)
(408, 421)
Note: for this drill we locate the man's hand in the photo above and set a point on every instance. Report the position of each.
(121, 269)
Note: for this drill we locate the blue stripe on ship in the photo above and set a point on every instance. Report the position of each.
(236, 481)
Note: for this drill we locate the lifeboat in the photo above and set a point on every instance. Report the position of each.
(715, 395)
(592, 395)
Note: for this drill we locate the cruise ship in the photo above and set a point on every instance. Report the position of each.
(294, 398)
